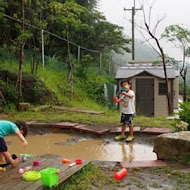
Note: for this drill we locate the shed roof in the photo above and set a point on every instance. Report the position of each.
(129, 71)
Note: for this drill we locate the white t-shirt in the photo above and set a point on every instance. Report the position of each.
(128, 104)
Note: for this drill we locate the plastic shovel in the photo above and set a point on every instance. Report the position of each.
(78, 161)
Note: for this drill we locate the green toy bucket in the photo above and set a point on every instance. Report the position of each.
(50, 177)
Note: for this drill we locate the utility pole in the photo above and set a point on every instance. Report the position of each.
(133, 28)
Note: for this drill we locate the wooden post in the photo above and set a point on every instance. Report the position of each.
(78, 55)
(100, 61)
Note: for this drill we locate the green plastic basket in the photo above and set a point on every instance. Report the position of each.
(50, 177)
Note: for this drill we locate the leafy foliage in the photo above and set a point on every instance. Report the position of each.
(85, 25)
(184, 114)
(180, 37)
(75, 21)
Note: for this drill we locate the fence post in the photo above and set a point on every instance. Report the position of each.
(43, 60)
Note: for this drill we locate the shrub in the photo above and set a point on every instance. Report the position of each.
(180, 126)
(184, 113)
(10, 93)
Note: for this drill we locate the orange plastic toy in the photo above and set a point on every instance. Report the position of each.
(66, 161)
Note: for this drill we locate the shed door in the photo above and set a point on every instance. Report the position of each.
(145, 97)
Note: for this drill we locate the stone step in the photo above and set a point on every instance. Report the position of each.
(63, 125)
(144, 164)
(78, 110)
(157, 131)
(84, 128)
(68, 125)
(118, 130)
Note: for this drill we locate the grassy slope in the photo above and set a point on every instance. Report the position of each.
(56, 80)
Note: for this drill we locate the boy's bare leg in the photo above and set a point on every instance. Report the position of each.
(123, 128)
(2, 158)
(131, 130)
(9, 158)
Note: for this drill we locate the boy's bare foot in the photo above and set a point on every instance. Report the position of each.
(15, 162)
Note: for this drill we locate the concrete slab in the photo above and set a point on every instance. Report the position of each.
(102, 132)
(154, 131)
(40, 108)
(84, 128)
(63, 125)
(36, 124)
(78, 110)
(118, 130)
(144, 164)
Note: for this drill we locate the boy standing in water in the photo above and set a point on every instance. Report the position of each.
(128, 111)
(7, 128)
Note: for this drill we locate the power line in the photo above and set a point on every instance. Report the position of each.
(55, 35)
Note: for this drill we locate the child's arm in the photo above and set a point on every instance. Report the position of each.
(128, 95)
(21, 137)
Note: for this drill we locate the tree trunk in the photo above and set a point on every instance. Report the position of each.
(185, 85)
(183, 72)
(21, 58)
(70, 65)
(168, 95)
(20, 73)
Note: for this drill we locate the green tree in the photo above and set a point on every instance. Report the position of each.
(180, 37)
(76, 21)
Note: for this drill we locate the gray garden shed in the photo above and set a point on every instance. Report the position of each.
(148, 83)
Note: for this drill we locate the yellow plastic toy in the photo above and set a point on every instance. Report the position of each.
(31, 175)
(2, 169)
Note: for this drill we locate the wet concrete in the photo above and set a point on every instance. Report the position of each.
(73, 145)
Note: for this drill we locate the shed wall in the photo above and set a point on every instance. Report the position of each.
(160, 101)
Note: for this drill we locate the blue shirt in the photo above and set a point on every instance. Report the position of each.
(7, 128)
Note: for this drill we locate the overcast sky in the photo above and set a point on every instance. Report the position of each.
(177, 12)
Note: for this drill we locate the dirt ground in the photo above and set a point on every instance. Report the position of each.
(173, 177)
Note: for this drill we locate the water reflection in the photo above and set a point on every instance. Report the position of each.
(127, 151)
(89, 149)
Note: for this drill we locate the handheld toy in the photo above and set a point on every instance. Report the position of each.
(78, 161)
(123, 89)
(66, 161)
(36, 163)
(119, 175)
(21, 170)
(27, 155)
(24, 158)
(31, 175)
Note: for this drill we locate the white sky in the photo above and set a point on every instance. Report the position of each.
(177, 12)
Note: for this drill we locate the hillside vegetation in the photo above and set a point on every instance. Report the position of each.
(77, 43)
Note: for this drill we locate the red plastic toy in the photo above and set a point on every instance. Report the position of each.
(78, 161)
(119, 175)
(36, 163)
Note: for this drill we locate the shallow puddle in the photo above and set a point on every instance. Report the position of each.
(88, 149)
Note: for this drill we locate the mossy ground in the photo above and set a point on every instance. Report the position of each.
(95, 177)
(111, 118)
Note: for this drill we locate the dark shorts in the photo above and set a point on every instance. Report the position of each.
(3, 146)
(127, 119)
